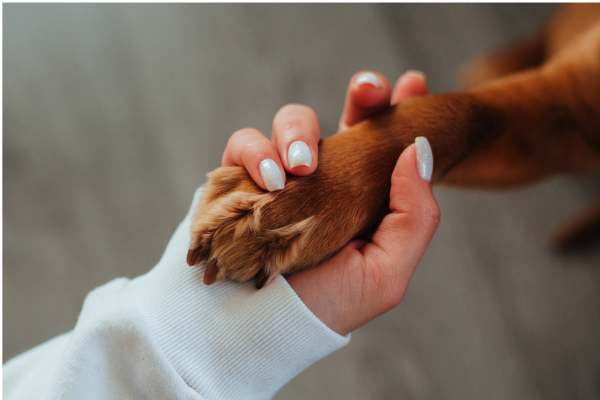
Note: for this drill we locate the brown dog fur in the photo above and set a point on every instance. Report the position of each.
(529, 112)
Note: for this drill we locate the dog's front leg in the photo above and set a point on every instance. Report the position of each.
(515, 131)
(244, 232)
(546, 121)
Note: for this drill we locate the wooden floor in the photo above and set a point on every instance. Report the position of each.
(114, 113)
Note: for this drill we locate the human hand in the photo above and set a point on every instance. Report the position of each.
(363, 280)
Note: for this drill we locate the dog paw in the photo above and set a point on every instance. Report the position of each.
(243, 232)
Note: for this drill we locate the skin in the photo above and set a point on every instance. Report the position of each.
(364, 279)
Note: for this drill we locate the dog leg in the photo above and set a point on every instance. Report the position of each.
(244, 233)
(548, 121)
(570, 22)
(530, 53)
(517, 130)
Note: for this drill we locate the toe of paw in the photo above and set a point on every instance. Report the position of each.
(197, 254)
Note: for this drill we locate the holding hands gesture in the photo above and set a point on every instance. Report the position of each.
(365, 279)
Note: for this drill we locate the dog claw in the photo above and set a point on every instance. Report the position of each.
(192, 256)
(210, 274)
(261, 279)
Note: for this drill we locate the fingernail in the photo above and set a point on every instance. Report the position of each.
(424, 158)
(368, 77)
(271, 175)
(415, 72)
(299, 154)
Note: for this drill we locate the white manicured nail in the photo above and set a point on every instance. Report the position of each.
(368, 77)
(424, 158)
(299, 154)
(271, 175)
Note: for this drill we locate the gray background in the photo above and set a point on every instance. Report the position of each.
(114, 113)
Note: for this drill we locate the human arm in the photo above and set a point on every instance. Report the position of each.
(167, 335)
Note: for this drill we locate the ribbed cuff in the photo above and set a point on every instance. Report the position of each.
(228, 340)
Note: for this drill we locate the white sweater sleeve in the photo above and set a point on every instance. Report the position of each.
(165, 335)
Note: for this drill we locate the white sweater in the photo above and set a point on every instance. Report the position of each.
(165, 335)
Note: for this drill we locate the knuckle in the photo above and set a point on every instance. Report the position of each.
(285, 113)
(433, 214)
(241, 135)
(233, 138)
(307, 110)
(250, 148)
(294, 116)
(292, 128)
(296, 122)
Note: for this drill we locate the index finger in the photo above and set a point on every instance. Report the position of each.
(252, 150)
(296, 134)
(368, 93)
(411, 83)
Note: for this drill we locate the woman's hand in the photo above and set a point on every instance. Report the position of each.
(296, 132)
(363, 280)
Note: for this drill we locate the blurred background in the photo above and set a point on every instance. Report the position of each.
(113, 114)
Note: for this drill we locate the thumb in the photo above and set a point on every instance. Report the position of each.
(404, 234)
